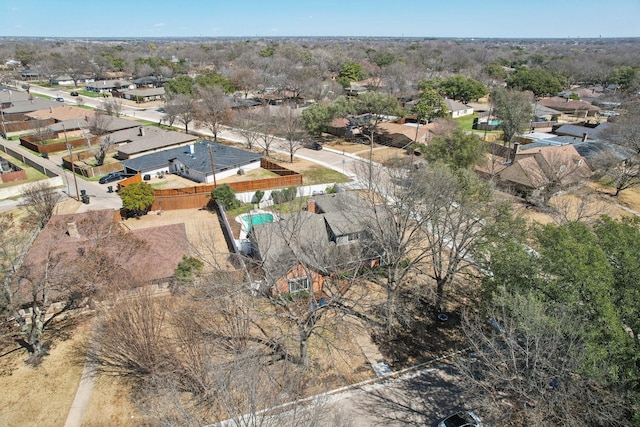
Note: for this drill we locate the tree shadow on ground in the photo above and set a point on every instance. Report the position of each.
(426, 339)
(420, 400)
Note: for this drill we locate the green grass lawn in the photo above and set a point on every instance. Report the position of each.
(466, 124)
(322, 175)
(33, 175)
(86, 93)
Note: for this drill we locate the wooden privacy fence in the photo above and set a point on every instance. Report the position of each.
(33, 144)
(198, 196)
(86, 170)
(23, 126)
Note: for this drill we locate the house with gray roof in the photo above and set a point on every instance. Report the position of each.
(134, 142)
(197, 161)
(102, 86)
(144, 95)
(297, 250)
(29, 105)
(458, 109)
(8, 96)
(580, 131)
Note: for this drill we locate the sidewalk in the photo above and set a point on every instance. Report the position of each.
(99, 198)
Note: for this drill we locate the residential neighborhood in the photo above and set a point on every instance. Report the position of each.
(264, 232)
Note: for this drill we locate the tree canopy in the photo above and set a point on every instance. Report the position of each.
(137, 198)
(462, 88)
(351, 72)
(540, 82)
(459, 150)
(513, 108)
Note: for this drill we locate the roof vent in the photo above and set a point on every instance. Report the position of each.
(72, 230)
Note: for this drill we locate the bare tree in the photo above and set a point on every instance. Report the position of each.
(395, 225)
(460, 210)
(56, 277)
(100, 123)
(101, 151)
(182, 109)
(245, 123)
(625, 131)
(75, 64)
(39, 200)
(563, 168)
(112, 106)
(585, 208)
(266, 126)
(303, 277)
(15, 241)
(622, 174)
(212, 109)
(245, 79)
(131, 338)
(292, 128)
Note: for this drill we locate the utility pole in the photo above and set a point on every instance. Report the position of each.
(213, 166)
(73, 167)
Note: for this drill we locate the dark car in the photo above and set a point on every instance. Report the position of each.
(74, 93)
(114, 176)
(60, 99)
(315, 146)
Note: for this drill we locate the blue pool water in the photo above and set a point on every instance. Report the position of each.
(256, 219)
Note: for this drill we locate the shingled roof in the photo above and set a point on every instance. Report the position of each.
(226, 157)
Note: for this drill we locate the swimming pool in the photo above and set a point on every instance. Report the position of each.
(250, 220)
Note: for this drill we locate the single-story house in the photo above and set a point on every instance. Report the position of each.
(150, 81)
(144, 95)
(8, 97)
(65, 80)
(457, 109)
(68, 241)
(102, 86)
(291, 253)
(237, 102)
(570, 106)
(530, 171)
(400, 135)
(62, 113)
(134, 142)
(589, 148)
(29, 105)
(29, 74)
(581, 131)
(197, 161)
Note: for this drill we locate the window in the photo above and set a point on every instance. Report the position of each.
(299, 284)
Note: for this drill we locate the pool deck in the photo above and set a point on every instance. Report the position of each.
(243, 224)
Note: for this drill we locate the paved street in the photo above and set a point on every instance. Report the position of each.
(345, 163)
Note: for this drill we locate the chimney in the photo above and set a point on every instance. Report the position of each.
(516, 145)
(72, 230)
(311, 206)
(192, 149)
(585, 136)
(140, 131)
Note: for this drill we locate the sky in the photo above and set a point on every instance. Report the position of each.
(321, 18)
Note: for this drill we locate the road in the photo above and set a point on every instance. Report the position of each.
(420, 398)
(350, 165)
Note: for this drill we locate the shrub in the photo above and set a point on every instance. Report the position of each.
(283, 196)
(225, 196)
(257, 197)
(137, 198)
